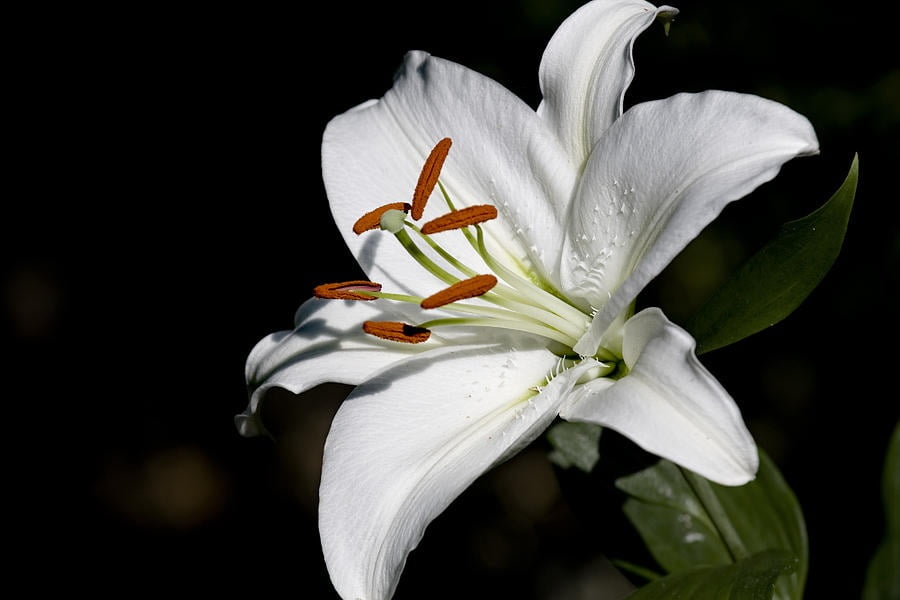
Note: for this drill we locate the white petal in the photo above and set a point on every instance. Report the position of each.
(657, 177)
(327, 346)
(587, 67)
(408, 441)
(669, 404)
(502, 154)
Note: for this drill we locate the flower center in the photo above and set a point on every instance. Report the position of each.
(503, 299)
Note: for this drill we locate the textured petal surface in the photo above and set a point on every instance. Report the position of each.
(502, 154)
(327, 346)
(669, 404)
(409, 440)
(657, 177)
(587, 67)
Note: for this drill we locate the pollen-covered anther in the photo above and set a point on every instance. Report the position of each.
(461, 290)
(396, 332)
(457, 219)
(429, 176)
(372, 219)
(347, 290)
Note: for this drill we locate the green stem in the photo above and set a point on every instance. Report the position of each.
(717, 513)
(624, 565)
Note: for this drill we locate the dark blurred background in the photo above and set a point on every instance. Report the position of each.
(165, 210)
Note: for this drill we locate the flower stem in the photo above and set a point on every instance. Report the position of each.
(707, 496)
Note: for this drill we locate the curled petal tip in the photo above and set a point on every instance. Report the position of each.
(250, 425)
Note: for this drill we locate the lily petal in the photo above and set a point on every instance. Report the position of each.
(669, 404)
(326, 346)
(409, 440)
(657, 177)
(588, 65)
(502, 154)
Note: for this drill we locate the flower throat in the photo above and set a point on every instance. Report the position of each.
(510, 301)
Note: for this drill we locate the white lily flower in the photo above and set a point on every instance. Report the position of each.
(545, 225)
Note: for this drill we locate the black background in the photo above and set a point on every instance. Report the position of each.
(164, 211)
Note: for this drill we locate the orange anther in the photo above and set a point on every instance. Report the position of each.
(346, 290)
(467, 288)
(397, 332)
(470, 215)
(429, 176)
(372, 219)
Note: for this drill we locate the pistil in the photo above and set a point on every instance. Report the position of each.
(372, 219)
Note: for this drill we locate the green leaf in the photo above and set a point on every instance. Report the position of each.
(575, 444)
(778, 278)
(891, 483)
(883, 573)
(752, 578)
(671, 519)
(687, 521)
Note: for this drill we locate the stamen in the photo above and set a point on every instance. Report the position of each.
(396, 332)
(347, 290)
(461, 290)
(528, 290)
(470, 215)
(429, 176)
(452, 260)
(420, 257)
(511, 324)
(372, 219)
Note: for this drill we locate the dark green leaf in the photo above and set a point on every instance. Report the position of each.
(687, 521)
(883, 574)
(575, 444)
(776, 280)
(752, 578)
(891, 483)
(671, 520)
